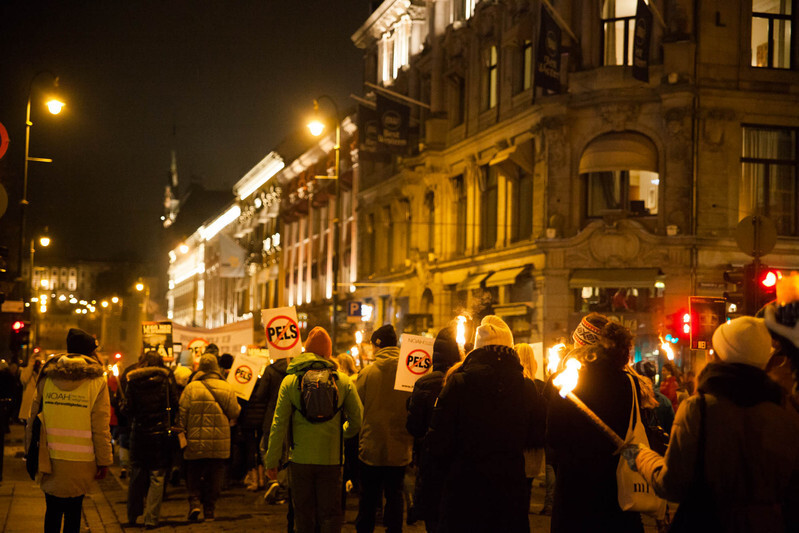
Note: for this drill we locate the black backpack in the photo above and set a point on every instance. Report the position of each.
(319, 394)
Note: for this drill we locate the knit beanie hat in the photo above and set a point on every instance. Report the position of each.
(589, 329)
(182, 375)
(384, 336)
(212, 348)
(78, 341)
(208, 364)
(445, 350)
(318, 343)
(493, 330)
(743, 340)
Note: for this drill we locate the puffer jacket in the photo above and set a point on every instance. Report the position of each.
(751, 451)
(312, 443)
(384, 439)
(205, 416)
(66, 478)
(151, 406)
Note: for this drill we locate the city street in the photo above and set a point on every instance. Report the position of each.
(22, 505)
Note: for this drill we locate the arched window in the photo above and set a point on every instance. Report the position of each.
(621, 175)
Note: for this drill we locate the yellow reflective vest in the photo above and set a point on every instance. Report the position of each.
(68, 421)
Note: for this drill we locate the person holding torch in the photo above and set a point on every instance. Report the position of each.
(585, 457)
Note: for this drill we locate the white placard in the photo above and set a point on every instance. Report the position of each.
(282, 332)
(538, 352)
(415, 360)
(243, 375)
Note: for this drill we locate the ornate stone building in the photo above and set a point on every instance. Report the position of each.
(612, 195)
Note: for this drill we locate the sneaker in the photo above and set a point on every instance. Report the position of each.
(271, 491)
(194, 514)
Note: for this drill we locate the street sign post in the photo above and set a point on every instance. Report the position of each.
(354, 311)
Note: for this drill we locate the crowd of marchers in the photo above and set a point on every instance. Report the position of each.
(722, 447)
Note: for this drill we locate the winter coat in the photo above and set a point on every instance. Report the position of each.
(312, 443)
(384, 440)
(151, 407)
(751, 451)
(205, 415)
(668, 388)
(585, 462)
(268, 388)
(253, 410)
(68, 372)
(28, 376)
(485, 416)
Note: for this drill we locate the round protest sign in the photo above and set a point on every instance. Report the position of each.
(244, 374)
(197, 346)
(418, 362)
(282, 333)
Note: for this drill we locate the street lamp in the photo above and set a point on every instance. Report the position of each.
(317, 127)
(142, 287)
(44, 240)
(54, 106)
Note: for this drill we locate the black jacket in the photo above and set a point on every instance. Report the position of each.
(151, 405)
(267, 389)
(486, 416)
(585, 464)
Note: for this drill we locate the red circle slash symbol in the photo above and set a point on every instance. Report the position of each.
(244, 374)
(418, 362)
(282, 336)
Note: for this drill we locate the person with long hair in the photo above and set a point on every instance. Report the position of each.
(534, 457)
(585, 459)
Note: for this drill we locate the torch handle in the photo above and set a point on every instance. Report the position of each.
(596, 420)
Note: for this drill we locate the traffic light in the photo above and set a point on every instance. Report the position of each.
(764, 285)
(678, 327)
(735, 297)
(20, 336)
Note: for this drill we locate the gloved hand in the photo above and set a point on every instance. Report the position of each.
(630, 452)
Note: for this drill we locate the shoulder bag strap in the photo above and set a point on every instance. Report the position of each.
(168, 408)
(213, 396)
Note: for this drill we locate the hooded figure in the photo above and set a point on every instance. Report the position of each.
(486, 416)
(751, 442)
(427, 493)
(75, 436)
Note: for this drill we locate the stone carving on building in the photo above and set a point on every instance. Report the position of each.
(714, 122)
(618, 115)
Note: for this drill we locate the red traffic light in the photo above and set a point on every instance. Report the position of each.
(117, 356)
(18, 325)
(770, 277)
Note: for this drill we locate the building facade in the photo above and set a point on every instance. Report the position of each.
(611, 195)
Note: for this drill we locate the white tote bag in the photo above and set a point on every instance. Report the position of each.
(634, 492)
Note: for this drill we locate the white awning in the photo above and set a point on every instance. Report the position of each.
(619, 151)
(504, 277)
(471, 282)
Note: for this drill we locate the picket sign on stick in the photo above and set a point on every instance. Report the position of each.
(243, 375)
(282, 332)
(415, 360)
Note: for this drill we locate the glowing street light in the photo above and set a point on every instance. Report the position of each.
(55, 106)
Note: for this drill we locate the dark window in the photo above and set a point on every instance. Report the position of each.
(490, 77)
(771, 33)
(372, 248)
(458, 103)
(461, 206)
(618, 22)
(522, 202)
(617, 300)
(388, 225)
(634, 191)
(488, 208)
(769, 172)
(430, 206)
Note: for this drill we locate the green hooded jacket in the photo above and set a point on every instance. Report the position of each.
(314, 444)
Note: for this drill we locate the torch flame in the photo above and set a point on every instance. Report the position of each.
(567, 380)
(666, 347)
(553, 357)
(460, 336)
(115, 370)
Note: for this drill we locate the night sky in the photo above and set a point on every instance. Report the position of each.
(220, 82)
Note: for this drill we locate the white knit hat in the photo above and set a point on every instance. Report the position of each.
(493, 330)
(743, 340)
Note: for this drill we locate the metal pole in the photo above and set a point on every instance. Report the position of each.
(30, 292)
(23, 204)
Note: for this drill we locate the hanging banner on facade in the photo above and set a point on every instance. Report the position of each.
(229, 338)
(707, 314)
(231, 258)
(282, 332)
(158, 336)
(368, 126)
(547, 65)
(642, 39)
(393, 130)
(415, 360)
(243, 375)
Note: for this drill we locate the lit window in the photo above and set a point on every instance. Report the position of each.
(768, 185)
(524, 69)
(771, 33)
(618, 22)
(490, 78)
(464, 9)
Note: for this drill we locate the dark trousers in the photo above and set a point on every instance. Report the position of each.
(204, 479)
(375, 482)
(315, 491)
(67, 508)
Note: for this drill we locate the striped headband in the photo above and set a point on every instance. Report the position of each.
(586, 333)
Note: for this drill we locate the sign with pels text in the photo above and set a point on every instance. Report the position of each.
(415, 360)
(282, 332)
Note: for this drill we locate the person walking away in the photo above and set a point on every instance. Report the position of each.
(533, 457)
(385, 445)
(250, 431)
(207, 407)
(429, 478)
(670, 383)
(317, 408)
(586, 497)
(123, 425)
(151, 407)
(737, 427)
(6, 387)
(486, 416)
(71, 400)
